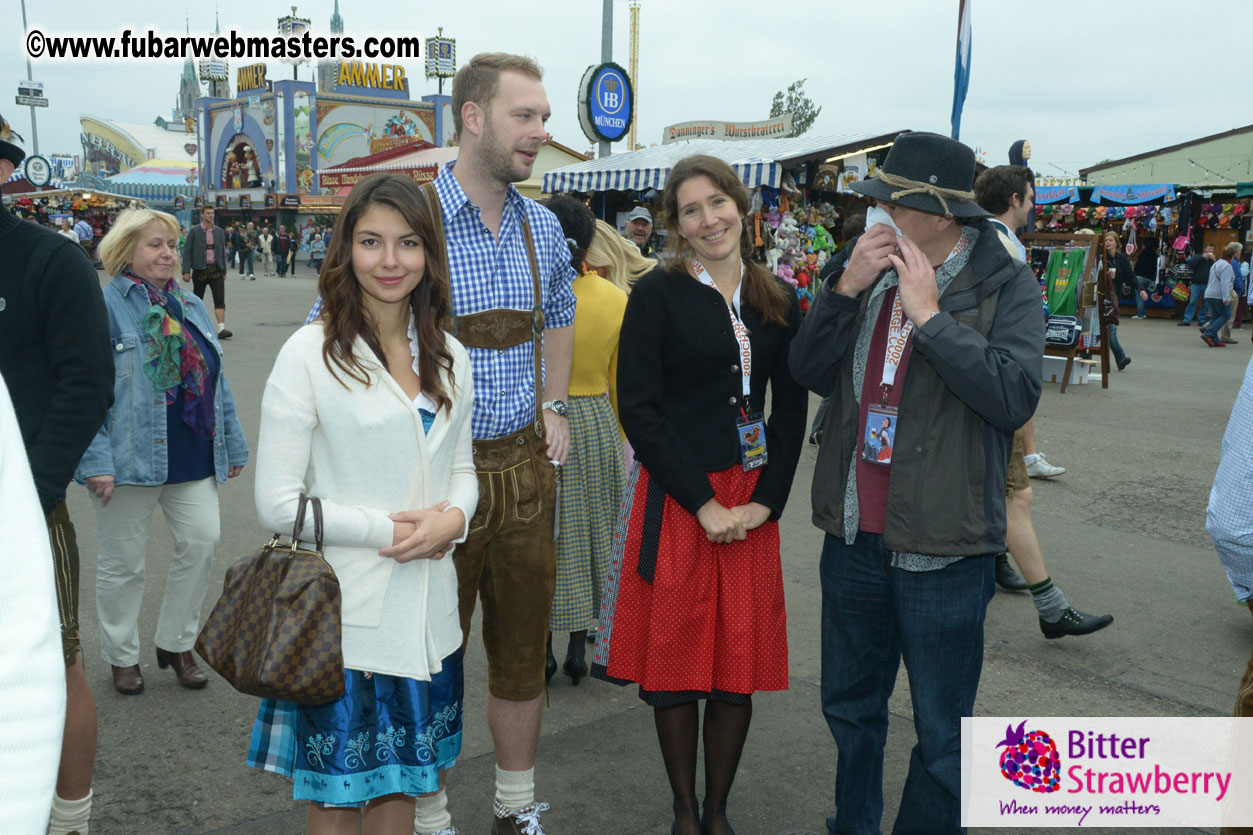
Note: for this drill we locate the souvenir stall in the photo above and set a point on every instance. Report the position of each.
(1145, 218)
(1069, 267)
(48, 208)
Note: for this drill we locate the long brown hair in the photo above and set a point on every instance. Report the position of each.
(761, 290)
(344, 315)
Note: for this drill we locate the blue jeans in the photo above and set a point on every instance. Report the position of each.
(245, 257)
(1217, 311)
(872, 617)
(1196, 304)
(1119, 353)
(1144, 284)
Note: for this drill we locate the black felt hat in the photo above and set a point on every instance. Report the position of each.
(927, 172)
(8, 150)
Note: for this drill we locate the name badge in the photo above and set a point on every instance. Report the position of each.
(878, 435)
(752, 431)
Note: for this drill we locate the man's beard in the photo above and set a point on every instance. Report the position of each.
(497, 160)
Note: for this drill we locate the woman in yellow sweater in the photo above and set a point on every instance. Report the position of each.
(591, 481)
(617, 259)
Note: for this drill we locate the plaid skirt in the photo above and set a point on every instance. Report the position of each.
(385, 735)
(591, 496)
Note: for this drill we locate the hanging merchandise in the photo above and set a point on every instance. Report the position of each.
(1065, 268)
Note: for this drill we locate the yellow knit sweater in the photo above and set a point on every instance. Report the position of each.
(597, 321)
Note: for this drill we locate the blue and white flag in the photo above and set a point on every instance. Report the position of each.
(961, 75)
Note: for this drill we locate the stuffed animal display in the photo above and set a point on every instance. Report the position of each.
(795, 239)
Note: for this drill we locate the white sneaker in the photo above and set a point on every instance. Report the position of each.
(1043, 469)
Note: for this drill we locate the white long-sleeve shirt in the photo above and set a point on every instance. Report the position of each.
(32, 668)
(363, 452)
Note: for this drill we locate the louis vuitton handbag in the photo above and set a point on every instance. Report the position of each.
(275, 631)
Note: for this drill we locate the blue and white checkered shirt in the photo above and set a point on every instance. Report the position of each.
(488, 272)
(1229, 518)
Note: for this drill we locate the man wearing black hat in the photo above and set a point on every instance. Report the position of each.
(56, 361)
(932, 328)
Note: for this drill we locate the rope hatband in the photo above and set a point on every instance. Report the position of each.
(907, 186)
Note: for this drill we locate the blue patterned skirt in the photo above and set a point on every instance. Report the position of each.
(385, 735)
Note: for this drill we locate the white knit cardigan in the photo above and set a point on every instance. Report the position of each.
(362, 451)
(32, 667)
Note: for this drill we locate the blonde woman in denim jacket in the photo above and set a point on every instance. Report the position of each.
(171, 437)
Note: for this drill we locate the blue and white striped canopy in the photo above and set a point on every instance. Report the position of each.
(153, 194)
(18, 176)
(758, 162)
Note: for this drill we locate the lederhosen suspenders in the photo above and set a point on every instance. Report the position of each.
(501, 328)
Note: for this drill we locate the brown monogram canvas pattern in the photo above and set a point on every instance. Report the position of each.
(275, 631)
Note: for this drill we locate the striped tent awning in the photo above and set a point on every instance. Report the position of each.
(153, 194)
(18, 176)
(758, 162)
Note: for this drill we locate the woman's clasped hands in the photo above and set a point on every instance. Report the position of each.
(724, 525)
(424, 534)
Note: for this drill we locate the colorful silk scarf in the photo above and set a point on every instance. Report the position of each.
(174, 360)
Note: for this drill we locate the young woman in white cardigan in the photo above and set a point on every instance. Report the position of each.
(368, 409)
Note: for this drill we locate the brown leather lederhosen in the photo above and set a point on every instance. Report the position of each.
(509, 558)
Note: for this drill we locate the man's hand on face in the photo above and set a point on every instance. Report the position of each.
(869, 258)
(920, 295)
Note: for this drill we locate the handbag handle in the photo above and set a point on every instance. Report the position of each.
(298, 526)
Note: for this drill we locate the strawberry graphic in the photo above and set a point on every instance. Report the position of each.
(1030, 759)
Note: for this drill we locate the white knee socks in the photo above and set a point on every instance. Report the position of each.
(431, 814)
(69, 815)
(515, 789)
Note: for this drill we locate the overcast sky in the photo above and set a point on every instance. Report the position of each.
(1084, 81)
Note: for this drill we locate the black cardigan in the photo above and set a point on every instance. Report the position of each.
(679, 388)
(54, 350)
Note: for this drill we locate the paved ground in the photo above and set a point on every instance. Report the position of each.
(1123, 531)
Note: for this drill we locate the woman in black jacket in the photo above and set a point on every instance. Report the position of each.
(694, 605)
(1118, 274)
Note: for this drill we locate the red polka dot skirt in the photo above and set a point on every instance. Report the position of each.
(681, 614)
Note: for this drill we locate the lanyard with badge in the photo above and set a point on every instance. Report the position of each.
(751, 428)
(880, 429)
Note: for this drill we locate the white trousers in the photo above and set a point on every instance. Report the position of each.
(191, 513)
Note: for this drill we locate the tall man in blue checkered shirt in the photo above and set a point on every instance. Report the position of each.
(513, 300)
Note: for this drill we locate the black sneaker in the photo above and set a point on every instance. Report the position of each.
(1123, 363)
(1074, 622)
(224, 334)
(1006, 577)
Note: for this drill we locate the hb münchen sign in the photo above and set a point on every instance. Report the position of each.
(606, 102)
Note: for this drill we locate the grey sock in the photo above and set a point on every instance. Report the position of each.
(1049, 600)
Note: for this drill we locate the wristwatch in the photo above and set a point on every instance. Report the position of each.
(557, 407)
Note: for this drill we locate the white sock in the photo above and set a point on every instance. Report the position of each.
(430, 814)
(515, 790)
(69, 815)
(1031, 459)
(221, 326)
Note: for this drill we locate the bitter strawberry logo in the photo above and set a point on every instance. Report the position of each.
(1030, 759)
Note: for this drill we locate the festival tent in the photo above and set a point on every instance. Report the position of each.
(759, 162)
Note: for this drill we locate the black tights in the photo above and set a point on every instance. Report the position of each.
(726, 727)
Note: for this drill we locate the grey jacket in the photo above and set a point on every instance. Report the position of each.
(974, 378)
(194, 248)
